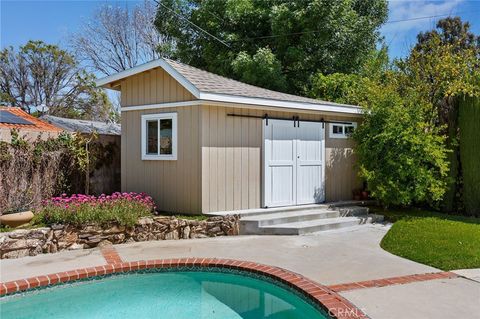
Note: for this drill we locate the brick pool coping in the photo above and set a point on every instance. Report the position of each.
(401, 280)
(332, 303)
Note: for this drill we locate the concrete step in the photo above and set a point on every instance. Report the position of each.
(305, 227)
(302, 219)
(251, 224)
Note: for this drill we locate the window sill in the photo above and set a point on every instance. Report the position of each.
(159, 158)
(339, 137)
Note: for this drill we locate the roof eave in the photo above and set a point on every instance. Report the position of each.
(327, 107)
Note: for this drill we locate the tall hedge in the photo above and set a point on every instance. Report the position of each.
(469, 122)
(450, 200)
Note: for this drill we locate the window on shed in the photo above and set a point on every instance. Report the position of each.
(342, 130)
(159, 136)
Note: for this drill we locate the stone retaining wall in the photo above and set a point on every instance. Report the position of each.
(31, 242)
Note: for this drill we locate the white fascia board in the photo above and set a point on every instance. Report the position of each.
(349, 109)
(148, 66)
(239, 101)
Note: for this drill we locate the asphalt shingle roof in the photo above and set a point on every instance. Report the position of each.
(210, 86)
(212, 83)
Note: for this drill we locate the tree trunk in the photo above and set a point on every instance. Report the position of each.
(87, 171)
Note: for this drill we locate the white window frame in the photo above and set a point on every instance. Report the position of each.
(158, 117)
(343, 125)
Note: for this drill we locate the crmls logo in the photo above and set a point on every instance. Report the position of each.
(346, 312)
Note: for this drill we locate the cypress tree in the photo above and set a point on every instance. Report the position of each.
(469, 122)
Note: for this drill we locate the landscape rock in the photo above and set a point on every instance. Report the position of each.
(171, 235)
(104, 243)
(186, 232)
(75, 246)
(16, 253)
(18, 234)
(30, 242)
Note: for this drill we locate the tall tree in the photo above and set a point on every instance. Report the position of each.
(445, 64)
(353, 88)
(469, 123)
(289, 41)
(118, 38)
(453, 31)
(43, 74)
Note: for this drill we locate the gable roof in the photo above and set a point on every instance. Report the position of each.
(212, 87)
(84, 126)
(36, 124)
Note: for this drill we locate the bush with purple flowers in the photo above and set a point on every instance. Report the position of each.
(122, 208)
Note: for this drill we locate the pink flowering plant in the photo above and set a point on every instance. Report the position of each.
(79, 209)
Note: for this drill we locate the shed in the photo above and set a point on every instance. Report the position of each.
(200, 142)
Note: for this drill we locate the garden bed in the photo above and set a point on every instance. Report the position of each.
(82, 221)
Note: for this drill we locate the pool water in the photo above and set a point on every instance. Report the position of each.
(162, 295)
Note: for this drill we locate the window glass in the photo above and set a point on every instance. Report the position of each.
(152, 137)
(166, 140)
(342, 130)
(159, 132)
(349, 129)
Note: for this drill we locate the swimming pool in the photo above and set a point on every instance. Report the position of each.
(177, 294)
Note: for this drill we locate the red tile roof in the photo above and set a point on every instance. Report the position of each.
(37, 124)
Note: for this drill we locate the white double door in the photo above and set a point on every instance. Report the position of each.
(293, 163)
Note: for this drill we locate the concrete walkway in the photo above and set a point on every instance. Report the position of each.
(473, 274)
(329, 258)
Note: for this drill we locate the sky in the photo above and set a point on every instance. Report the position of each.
(53, 21)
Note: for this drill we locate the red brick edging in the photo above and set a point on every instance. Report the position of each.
(392, 281)
(334, 304)
(111, 256)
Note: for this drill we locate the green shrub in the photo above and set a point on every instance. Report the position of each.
(401, 156)
(122, 208)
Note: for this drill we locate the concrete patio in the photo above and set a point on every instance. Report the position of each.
(330, 258)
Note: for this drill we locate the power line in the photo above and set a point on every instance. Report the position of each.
(316, 31)
(193, 24)
(285, 34)
(421, 18)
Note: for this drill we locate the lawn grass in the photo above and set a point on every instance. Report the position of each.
(439, 240)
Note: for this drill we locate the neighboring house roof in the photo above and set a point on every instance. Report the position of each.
(16, 118)
(84, 126)
(212, 87)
